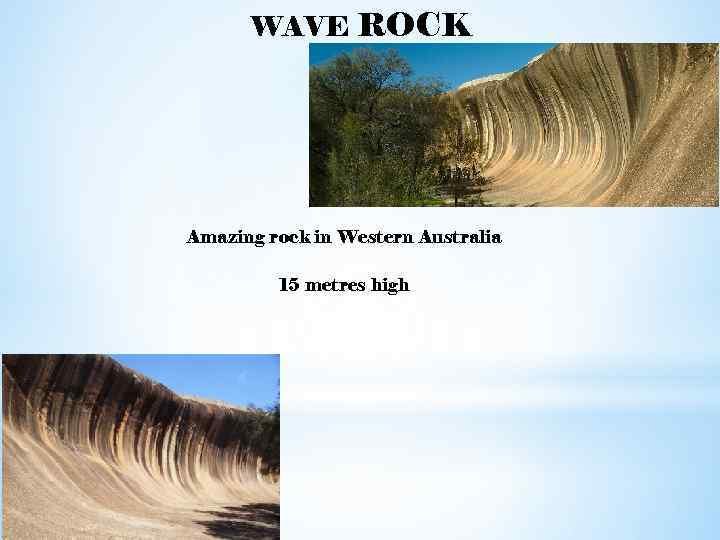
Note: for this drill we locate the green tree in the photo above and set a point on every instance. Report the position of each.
(350, 85)
(378, 137)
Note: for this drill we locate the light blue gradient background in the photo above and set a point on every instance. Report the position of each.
(561, 386)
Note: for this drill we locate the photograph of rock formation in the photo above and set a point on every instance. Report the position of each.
(572, 124)
(93, 447)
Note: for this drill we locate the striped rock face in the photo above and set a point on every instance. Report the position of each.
(92, 449)
(600, 125)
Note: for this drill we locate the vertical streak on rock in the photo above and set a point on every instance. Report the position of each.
(129, 430)
(597, 124)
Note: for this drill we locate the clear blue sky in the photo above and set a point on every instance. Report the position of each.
(455, 63)
(234, 379)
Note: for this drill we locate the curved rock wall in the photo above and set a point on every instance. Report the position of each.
(89, 433)
(600, 124)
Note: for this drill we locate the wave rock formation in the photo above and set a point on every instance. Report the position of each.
(600, 125)
(92, 449)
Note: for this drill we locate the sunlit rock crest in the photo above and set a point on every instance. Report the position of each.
(600, 124)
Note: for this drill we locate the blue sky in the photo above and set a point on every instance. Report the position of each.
(234, 379)
(456, 63)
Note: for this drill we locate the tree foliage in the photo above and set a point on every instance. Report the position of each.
(377, 137)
